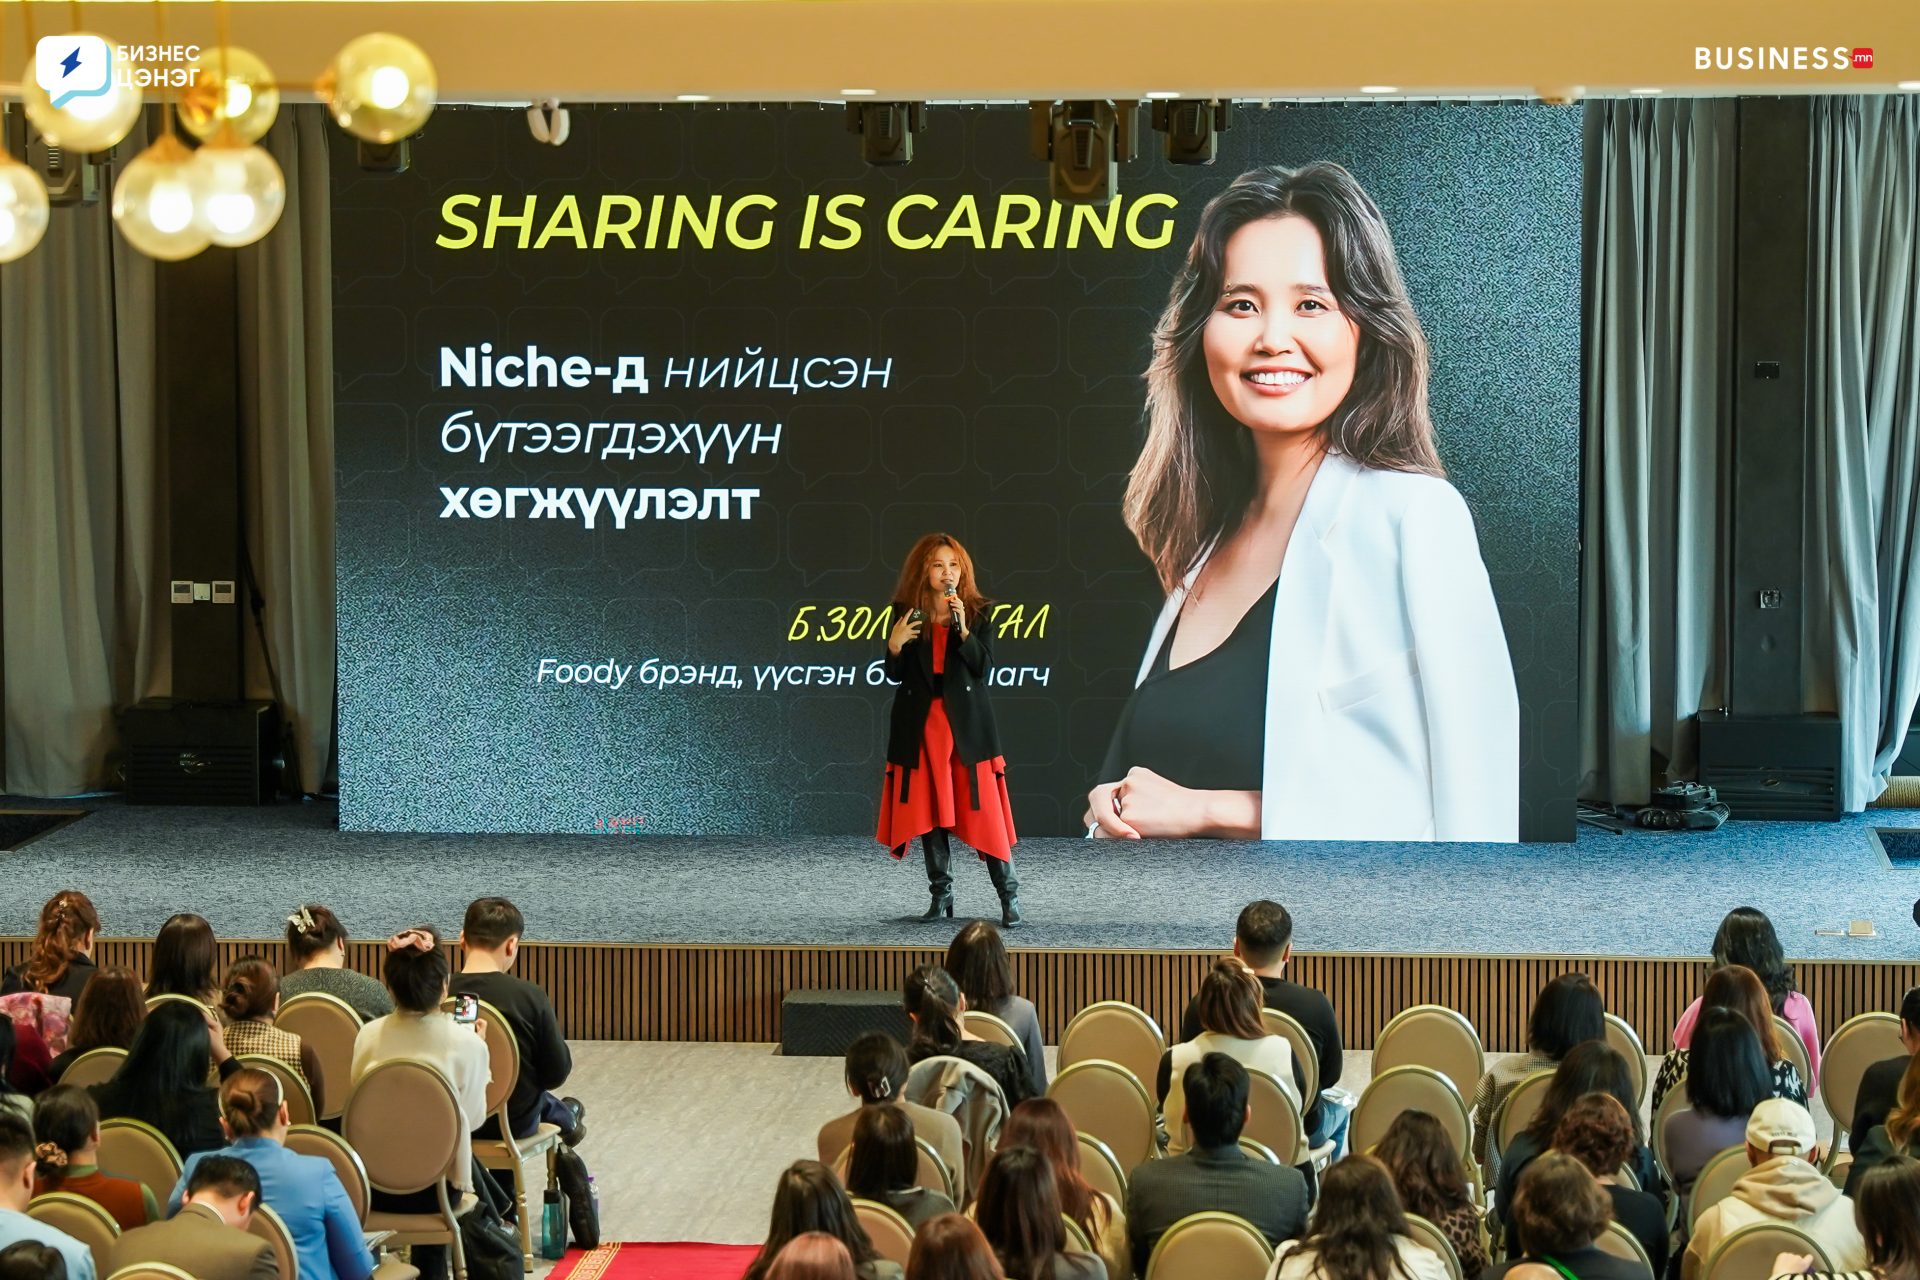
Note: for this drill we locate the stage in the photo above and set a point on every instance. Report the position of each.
(684, 938)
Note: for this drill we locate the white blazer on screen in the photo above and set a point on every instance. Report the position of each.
(1391, 710)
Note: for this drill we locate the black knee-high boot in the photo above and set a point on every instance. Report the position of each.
(939, 855)
(1007, 885)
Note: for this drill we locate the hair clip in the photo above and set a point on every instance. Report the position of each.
(50, 1153)
(417, 938)
(884, 1088)
(302, 920)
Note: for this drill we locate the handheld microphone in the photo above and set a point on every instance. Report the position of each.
(953, 603)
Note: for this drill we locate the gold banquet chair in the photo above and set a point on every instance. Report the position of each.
(1623, 1244)
(270, 1227)
(330, 1025)
(1795, 1050)
(1625, 1041)
(1519, 1107)
(1426, 1233)
(312, 1140)
(1275, 1122)
(95, 1066)
(1106, 1100)
(1101, 1168)
(891, 1236)
(1410, 1088)
(1210, 1246)
(404, 1121)
(150, 1271)
(1749, 1251)
(993, 1030)
(80, 1218)
(930, 1171)
(1859, 1043)
(1432, 1035)
(506, 1151)
(1715, 1182)
(293, 1087)
(134, 1149)
(1114, 1031)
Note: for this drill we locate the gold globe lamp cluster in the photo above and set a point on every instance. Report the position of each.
(171, 201)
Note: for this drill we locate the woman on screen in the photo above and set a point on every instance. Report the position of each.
(1329, 662)
(945, 773)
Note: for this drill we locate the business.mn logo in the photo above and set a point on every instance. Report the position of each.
(1799, 57)
(70, 67)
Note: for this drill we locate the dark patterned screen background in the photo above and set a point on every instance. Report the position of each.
(1010, 418)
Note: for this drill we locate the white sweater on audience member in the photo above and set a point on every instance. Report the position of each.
(1271, 1054)
(436, 1039)
(1416, 1261)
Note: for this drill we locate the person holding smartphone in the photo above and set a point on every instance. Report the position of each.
(945, 772)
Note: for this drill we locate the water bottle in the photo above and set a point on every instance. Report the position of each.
(553, 1227)
(593, 1197)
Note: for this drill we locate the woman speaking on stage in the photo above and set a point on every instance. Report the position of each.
(1329, 662)
(945, 773)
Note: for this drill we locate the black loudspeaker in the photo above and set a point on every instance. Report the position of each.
(201, 752)
(825, 1024)
(1779, 767)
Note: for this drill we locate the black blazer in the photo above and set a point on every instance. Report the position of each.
(1879, 1090)
(963, 687)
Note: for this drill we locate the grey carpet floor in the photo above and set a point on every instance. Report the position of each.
(1634, 895)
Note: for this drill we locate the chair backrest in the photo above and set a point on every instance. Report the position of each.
(1749, 1251)
(1114, 1031)
(150, 1271)
(154, 1002)
(80, 1218)
(1626, 1042)
(1258, 1150)
(993, 1030)
(1674, 1100)
(1622, 1243)
(269, 1226)
(293, 1089)
(892, 1237)
(503, 1059)
(1106, 1100)
(1520, 1106)
(1076, 1236)
(1210, 1246)
(1431, 1236)
(329, 1024)
(95, 1066)
(1795, 1050)
(1275, 1122)
(1715, 1182)
(312, 1140)
(1305, 1052)
(1101, 1168)
(1410, 1087)
(1858, 1044)
(135, 1149)
(403, 1119)
(931, 1172)
(1431, 1035)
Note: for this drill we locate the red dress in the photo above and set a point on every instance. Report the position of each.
(940, 791)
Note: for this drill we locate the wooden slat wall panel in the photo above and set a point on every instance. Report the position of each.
(621, 991)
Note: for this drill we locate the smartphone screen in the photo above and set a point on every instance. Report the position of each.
(466, 1008)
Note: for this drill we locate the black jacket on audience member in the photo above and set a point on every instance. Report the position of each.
(79, 970)
(545, 1060)
(1223, 1179)
(1879, 1090)
(195, 1123)
(1311, 1010)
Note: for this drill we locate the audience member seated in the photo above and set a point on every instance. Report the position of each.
(1900, 1135)
(1215, 1174)
(16, 1192)
(1041, 1123)
(1263, 941)
(106, 1016)
(883, 1163)
(490, 942)
(1590, 1067)
(1560, 1212)
(31, 1260)
(417, 970)
(810, 1198)
(876, 1075)
(317, 941)
(62, 959)
(185, 962)
(1230, 1023)
(1726, 1080)
(1019, 1214)
(977, 959)
(1780, 1187)
(934, 1002)
(1747, 938)
(1880, 1086)
(208, 1238)
(1568, 1012)
(1359, 1232)
(1601, 1134)
(1431, 1178)
(251, 1000)
(950, 1248)
(304, 1190)
(66, 1155)
(1736, 987)
(813, 1256)
(1887, 1212)
(164, 1079)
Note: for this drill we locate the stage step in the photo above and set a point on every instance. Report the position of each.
(815, 1024)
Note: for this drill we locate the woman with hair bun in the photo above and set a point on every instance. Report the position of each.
(317, 941)
(250, 998)
(62, 959)
(66, 1157)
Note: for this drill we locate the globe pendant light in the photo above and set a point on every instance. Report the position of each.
(82, 121)
(239, 190)
(23, 209)
(156, 202)
(380, 88)
(231, 88)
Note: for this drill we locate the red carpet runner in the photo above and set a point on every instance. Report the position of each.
(657, 1262)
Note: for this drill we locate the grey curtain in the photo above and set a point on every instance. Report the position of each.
(1655, 544)
(1863, 478)
(82, 499)
(286, 410)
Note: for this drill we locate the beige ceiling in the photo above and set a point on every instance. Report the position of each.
(783, 50)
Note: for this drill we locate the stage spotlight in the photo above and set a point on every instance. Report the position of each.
(385, 157)
(1083, 144)
(1192, 127)
(886, 129)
